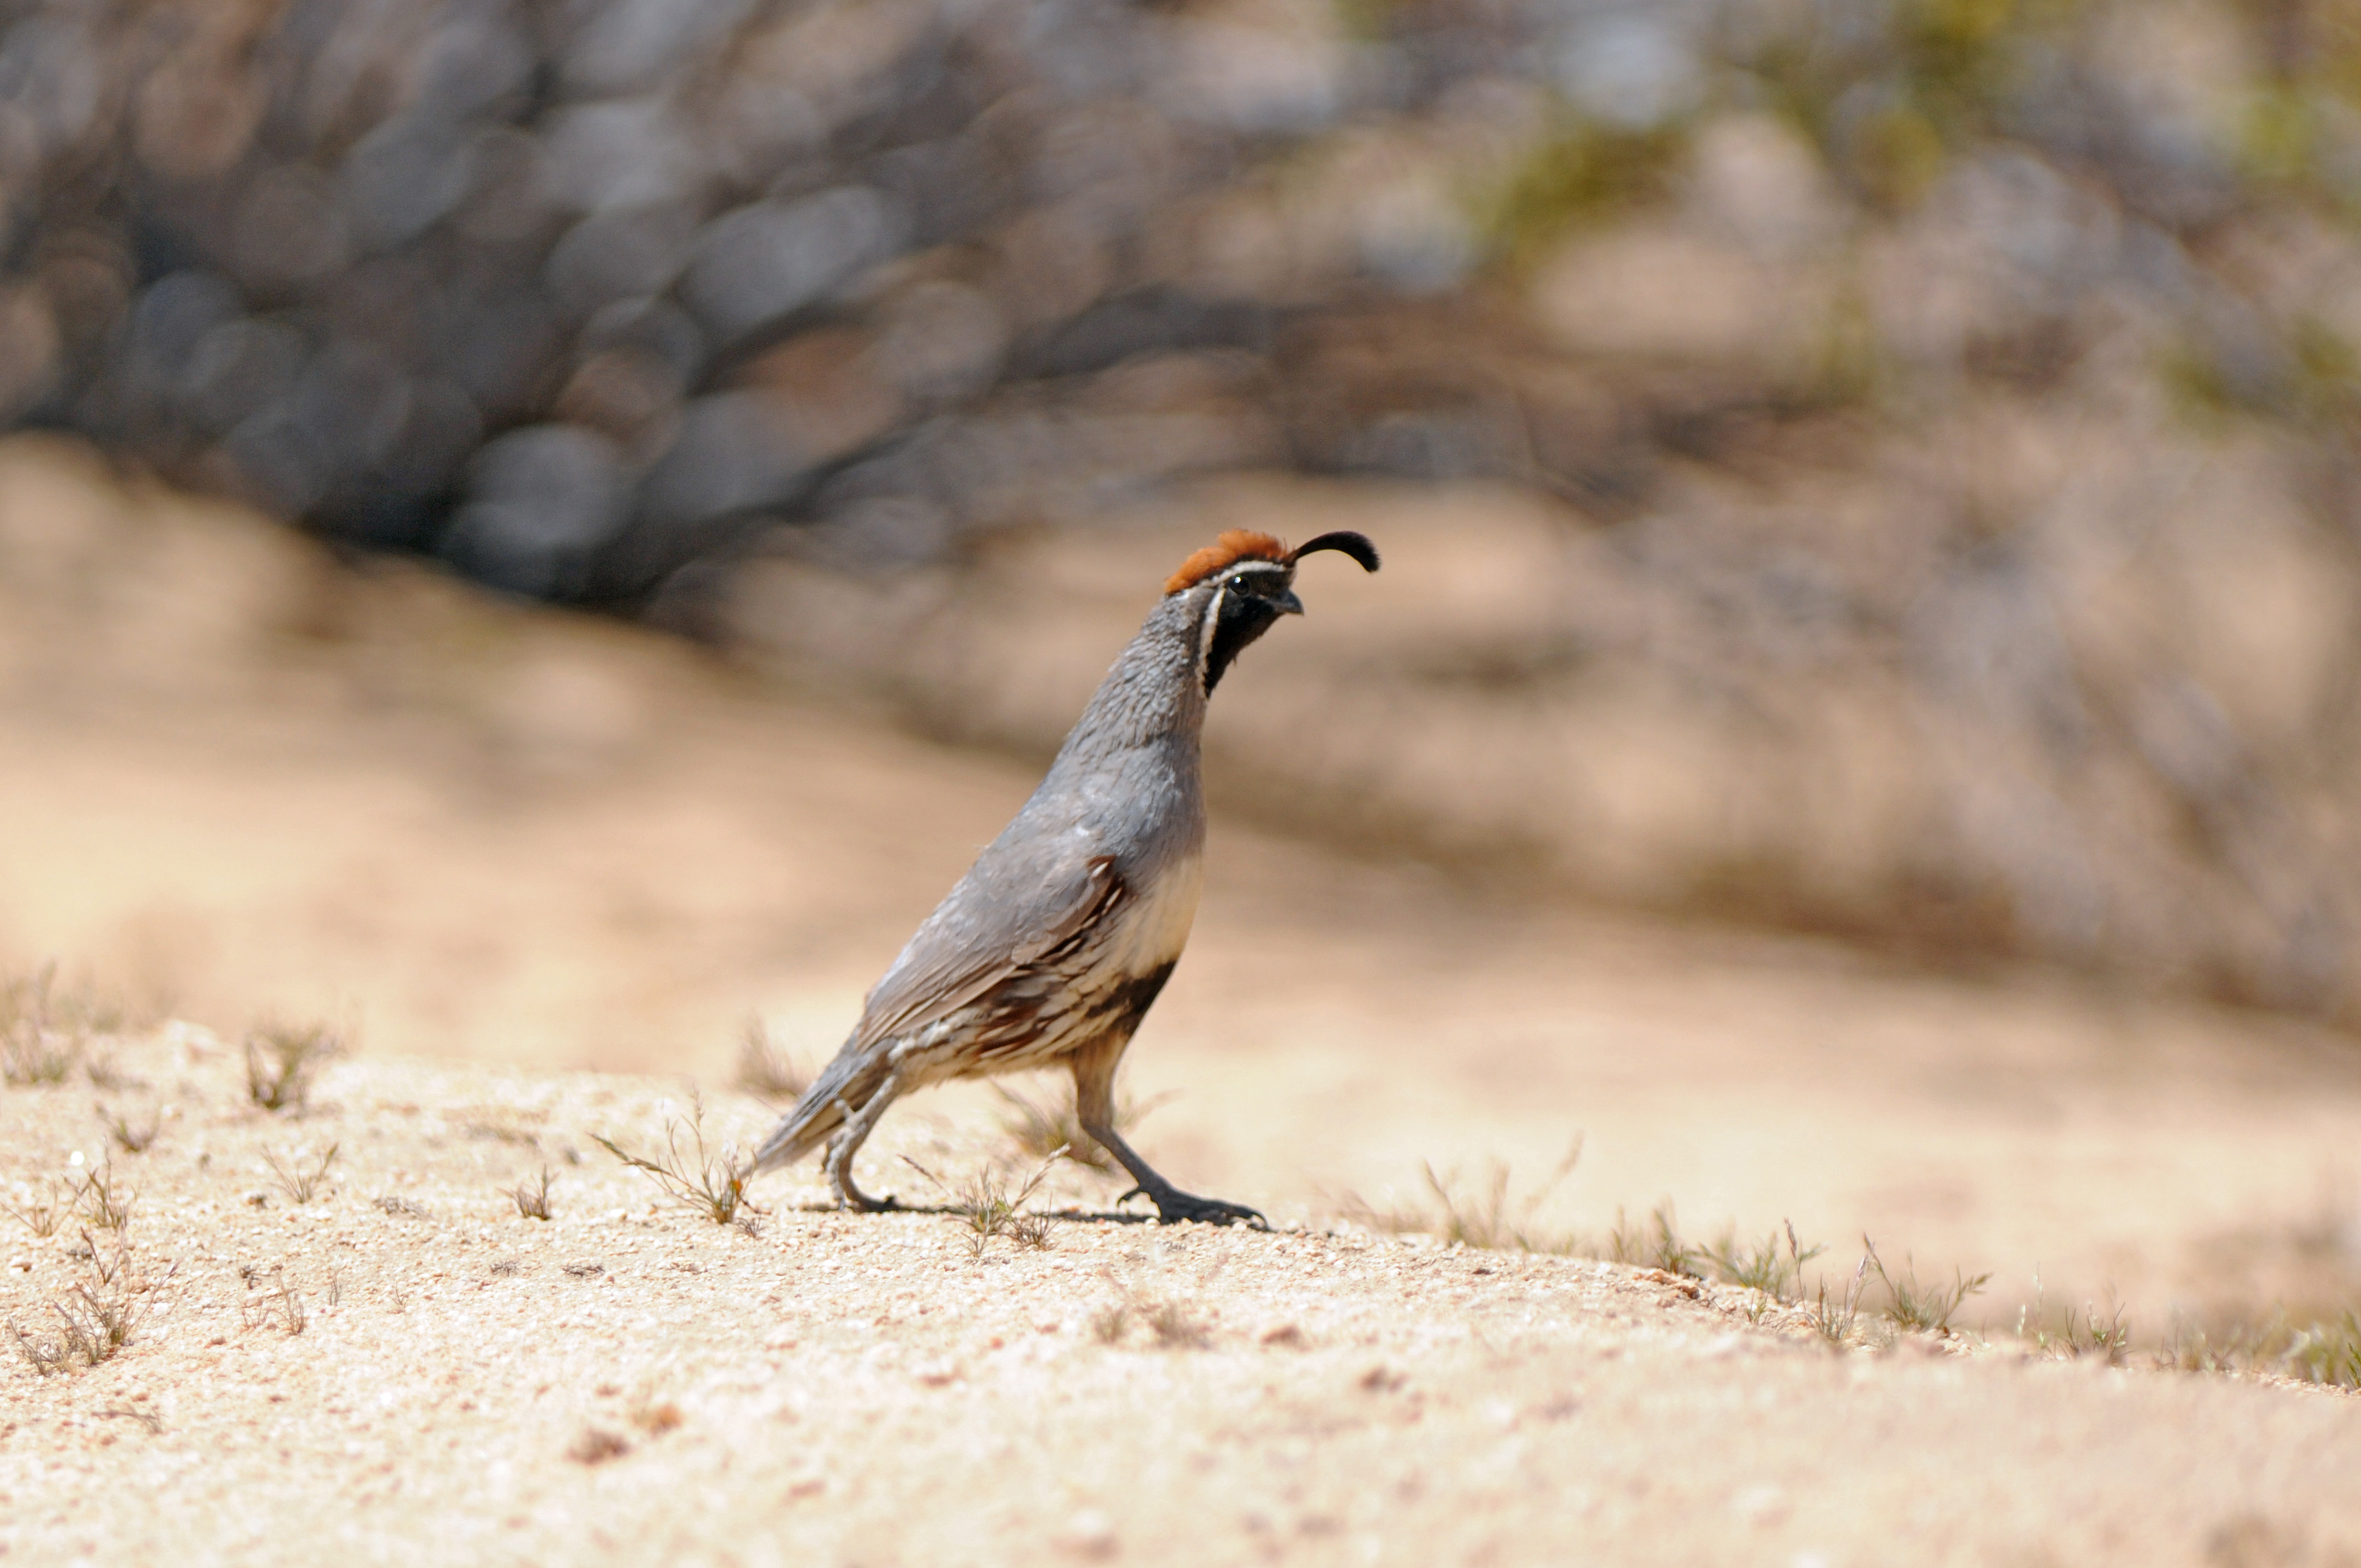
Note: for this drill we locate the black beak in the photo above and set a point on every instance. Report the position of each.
(1285, 602)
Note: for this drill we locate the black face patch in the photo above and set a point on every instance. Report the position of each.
(1244, 614)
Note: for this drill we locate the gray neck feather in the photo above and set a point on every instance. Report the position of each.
(1155, 692)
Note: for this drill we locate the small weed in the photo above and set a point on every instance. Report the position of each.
(766, 1070)
(131, 1137)
(96, 1319)
(2190, 1349)
(105, 1074)
(91, 1328)
(299, 1184)
(1491, 1219)
(1778, 1276)
(149, 1421)
(1039, 1130)
(533, 1197)
(2107, 1337)
(2324, 1352)
(2329, 1352)
(1658, 1244)
(989, 1209)
(1926, 1308)
(501, 1131)
(38, 1044)
(1175, 1327)
(596, 1446)
(1171, 1323)
(43, 1215)
(277, 1304)
(715, 1185)
(1838, 1321)
(95, 1197)
(654, 1417)
(2078, 1334)
(281, 1060)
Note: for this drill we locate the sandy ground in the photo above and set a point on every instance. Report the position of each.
(237, 781)
(628, 1382)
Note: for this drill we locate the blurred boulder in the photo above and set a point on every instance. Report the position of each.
(540, 501)
(1918, 441)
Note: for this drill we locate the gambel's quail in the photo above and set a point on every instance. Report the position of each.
(1053, 946)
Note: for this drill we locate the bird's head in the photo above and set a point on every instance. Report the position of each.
(1248, 581)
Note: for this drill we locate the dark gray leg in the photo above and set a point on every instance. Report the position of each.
(847, 1140)
(1094, 1067)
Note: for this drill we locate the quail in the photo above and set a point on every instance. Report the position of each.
(1052, 948)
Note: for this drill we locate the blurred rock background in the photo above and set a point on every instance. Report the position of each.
(1877, 466)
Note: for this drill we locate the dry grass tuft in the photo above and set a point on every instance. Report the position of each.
(1924, 1308)
(2187, 1348)
(2087, 1332)
(987, 1207)
(1490, 1217)
(2329, 1352)
(653, 1417)
(131, 1137)
(1140, 1306)
(1493, 1217)
(1658, 1244)
(596, 1446)
(1836, 1320)
(531, 1196)
(96, 1318)
(2326, 1352)
(1169, 1325)
(40, 1041)
(1774, 1274)
(42, 1215)
(273, 1301)
(299, 1184)
(149, 1421)
(95, 1197)
(765, 1068)
(105, 1073)
(712, 1184)
(281, 1060)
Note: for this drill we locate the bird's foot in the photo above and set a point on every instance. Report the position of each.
(1172, 1206)
(848, 1196)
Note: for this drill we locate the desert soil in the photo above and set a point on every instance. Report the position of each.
(406, 1368)
(502, 846)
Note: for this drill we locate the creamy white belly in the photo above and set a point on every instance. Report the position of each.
(1152, 932)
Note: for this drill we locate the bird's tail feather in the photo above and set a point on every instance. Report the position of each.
(848, 1080)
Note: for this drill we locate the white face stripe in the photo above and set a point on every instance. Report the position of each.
(1205, 632)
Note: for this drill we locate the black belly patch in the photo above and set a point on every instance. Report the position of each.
(1127, 1003)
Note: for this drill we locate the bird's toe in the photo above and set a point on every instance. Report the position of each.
(1172, 1207)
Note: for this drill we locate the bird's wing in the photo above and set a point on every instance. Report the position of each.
(1001, 919)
